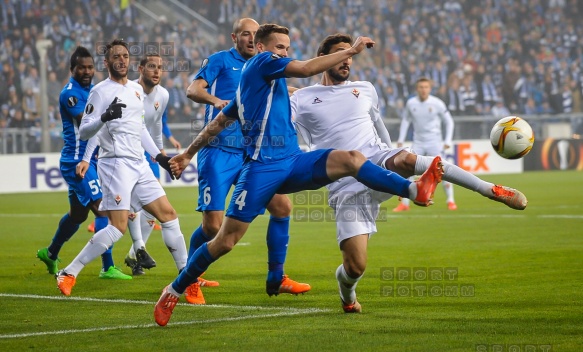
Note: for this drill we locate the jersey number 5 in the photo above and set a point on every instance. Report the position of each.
(95, 186)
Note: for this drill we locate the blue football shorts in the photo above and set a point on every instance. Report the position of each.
(217, 171)
(82, 191)
(259, 182)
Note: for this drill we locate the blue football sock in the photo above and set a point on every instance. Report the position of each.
(383, 180)
(106, 258)
(197, 264)
(197, 239)
(65, 231)
(277, 241)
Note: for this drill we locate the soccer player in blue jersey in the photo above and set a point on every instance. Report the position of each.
(220, 163)
(274, 163)
(84, 192)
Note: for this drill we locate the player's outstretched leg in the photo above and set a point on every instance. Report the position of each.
(454, 174)
(427, 183)
(165, 305)
(347, 290)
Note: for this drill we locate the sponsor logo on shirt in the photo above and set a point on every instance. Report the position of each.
(316, 101)
(138, 95)
(88, 109)
(236, 69)
(355, 92)
(275, 56)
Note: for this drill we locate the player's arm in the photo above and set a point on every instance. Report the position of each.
(150, 146)
(83, 165)
(224, 119)
(308, 68)
(166, 131)
(404, 127)
(447, 120)
(197, 92)
(94, 119)
(375, 115)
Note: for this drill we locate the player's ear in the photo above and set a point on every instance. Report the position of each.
(234, 38)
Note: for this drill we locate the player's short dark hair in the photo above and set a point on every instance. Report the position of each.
(332, 40)
(422, 79)
(144, 59)
(265, 30)
(113, 43)
(80, 52)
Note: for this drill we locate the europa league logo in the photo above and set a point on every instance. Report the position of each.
(565, 154)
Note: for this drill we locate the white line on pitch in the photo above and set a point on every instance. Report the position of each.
(140, 326)
(102, 300)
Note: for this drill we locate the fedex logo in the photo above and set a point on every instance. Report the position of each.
(470, 158)
(51, 176)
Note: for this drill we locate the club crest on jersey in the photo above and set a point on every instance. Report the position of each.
(316, 101)
(131, 216)
(72, 101)
(138, 95)
(355, 92)
(156, 105)
(88, 109)
(117, 199)
(151, 223)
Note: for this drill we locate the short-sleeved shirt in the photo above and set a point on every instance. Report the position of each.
(222, 72)
(263, 108)
(72, 102)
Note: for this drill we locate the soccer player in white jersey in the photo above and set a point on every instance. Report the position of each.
(141, 223)
(114, 112)
(337, 113)
(427, 114)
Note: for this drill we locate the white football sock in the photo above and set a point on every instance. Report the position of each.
(346, 285)
(135, 233)
(96, 246)
(448, 188)
(405, 201)
(174, 241)
(147, 222)
(456, 175)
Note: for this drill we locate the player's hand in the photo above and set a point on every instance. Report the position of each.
(113, 111)
(175, 142)
(82, 168)
(178, 164)
(362, 42)
(220, 104)
(163, 160)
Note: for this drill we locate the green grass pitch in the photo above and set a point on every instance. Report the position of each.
(525, 269)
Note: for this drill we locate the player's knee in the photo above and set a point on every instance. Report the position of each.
(353, 161)
(211, 228)
(167, 214)
(78, 218)
(280, 206)
(354, 269)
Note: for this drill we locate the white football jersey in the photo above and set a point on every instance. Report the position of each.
(119, 138)
(339, 116)
(426, 117)
(155, 104)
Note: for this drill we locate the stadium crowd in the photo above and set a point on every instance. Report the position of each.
(486, 57)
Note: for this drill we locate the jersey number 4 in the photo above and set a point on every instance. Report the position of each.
(240, 201)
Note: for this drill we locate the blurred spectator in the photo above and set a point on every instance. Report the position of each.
(499, 110)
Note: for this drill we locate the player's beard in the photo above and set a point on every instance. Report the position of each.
(115, 73)
(338, 77)
(148, 82)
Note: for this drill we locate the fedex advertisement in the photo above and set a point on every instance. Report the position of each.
(40, 172)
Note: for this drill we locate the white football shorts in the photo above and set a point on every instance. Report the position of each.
(127, 183)
(356, 206)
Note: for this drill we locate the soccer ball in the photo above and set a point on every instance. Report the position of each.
(512, 137)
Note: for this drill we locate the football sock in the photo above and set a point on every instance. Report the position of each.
(101, 222)
(346, 285)
(456, 175)
(174, 241)
(135, 233)
(386, 181)
(147, 222)
(65, 231)
(277, 241)
(448, 188)
(98, 244)
(197, 264)
(197, 239)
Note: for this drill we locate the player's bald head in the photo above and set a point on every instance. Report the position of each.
(244, 24)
